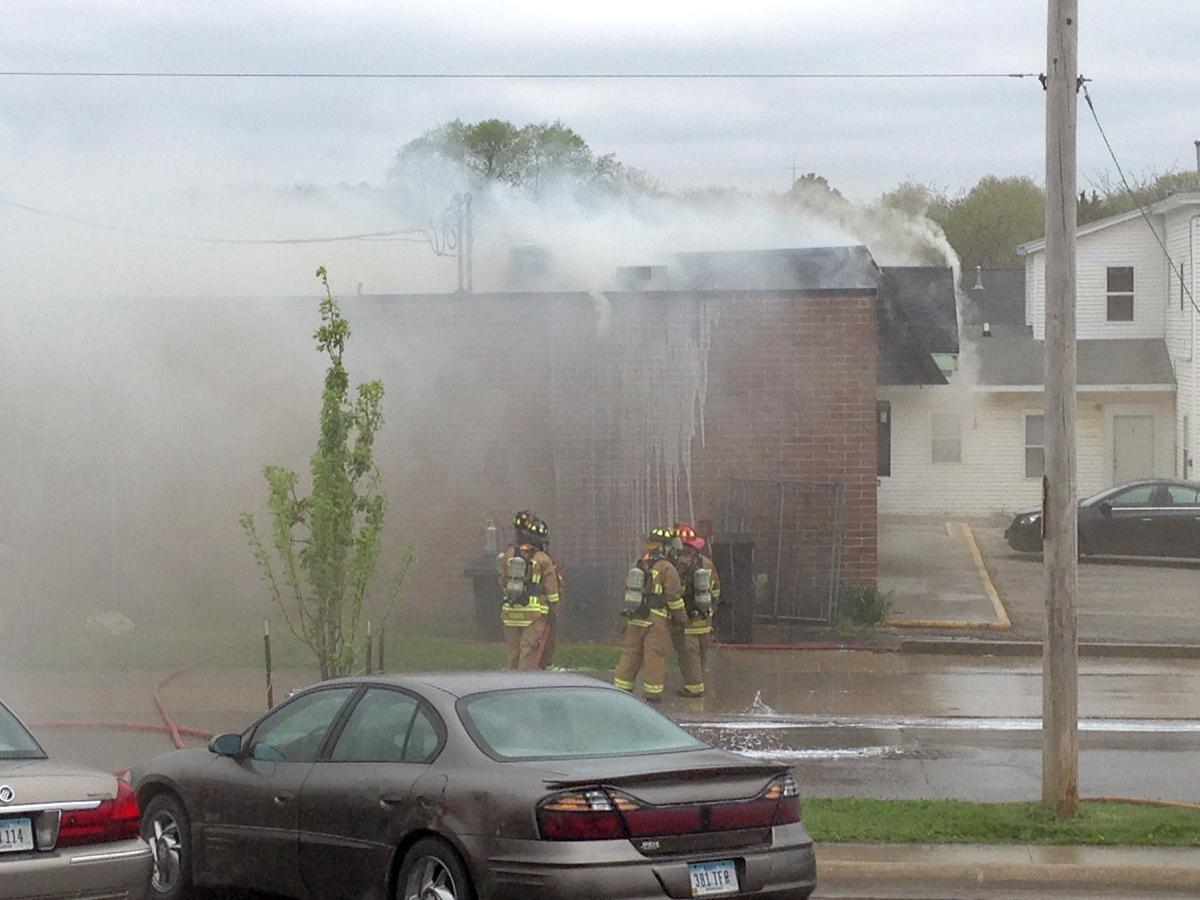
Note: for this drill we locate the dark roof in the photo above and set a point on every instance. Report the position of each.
(1001, 301)
(926, 296)
(1011, 357)
(800, 269)
(903, 356)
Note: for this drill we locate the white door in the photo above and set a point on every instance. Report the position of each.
(1133, 448)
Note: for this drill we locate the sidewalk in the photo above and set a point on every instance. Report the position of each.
(1006, 867)
(936, 577)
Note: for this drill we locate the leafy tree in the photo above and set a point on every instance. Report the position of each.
(811, 185)
(1110, 198)
(912, 198)
(531, 157)
(985, 225)
(327, 544)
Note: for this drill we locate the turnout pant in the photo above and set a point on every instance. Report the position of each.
(527, 642)
(691, 648)
(647, 646)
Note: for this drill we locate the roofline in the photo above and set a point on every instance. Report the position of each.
(1173, 201)
(1090, 228)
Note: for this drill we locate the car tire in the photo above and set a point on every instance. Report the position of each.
(167, 829)
(433, 870)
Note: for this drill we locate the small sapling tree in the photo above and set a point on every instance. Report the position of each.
(326, 545)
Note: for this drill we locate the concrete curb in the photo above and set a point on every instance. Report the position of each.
(976, 647)
(1016, 867)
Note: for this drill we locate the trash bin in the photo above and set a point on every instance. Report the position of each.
(733, 555)
(486, 587)
(587, 614)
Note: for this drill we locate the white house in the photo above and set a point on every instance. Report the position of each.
(976, 446)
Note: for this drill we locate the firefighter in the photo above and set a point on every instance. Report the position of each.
(529, 581)
(701, 590)
(652, 596)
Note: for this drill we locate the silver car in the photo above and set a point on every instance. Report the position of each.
(65, 831)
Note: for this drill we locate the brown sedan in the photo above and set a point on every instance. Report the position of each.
(458, 786)
(65, 831)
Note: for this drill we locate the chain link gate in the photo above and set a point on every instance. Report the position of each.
(794, 529)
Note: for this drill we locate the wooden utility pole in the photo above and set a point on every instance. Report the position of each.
(1060, 510)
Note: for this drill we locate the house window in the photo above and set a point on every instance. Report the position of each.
(883, 437)
(1035, 446)
(947, 438)
(1120, 293)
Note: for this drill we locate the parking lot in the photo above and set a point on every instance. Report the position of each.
(1128, 601)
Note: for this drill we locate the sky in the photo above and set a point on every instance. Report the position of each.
(137, 152)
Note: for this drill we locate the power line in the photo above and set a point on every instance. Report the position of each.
(1132, 196)
(521, 76)
(398, 235)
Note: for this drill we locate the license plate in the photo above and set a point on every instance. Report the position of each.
(16, 835)
(712, 878)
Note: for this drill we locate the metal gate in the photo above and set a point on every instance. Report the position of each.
(796, 529)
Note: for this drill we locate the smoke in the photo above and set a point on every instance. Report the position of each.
(154, 363)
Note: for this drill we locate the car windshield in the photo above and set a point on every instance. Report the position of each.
(15, 741)
(549, 723)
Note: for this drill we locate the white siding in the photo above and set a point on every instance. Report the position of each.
(1127, 244)
(991, 477)
(1183, 333)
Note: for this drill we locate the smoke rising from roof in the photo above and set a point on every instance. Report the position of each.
(142, 400)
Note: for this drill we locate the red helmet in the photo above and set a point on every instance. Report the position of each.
(688, 535)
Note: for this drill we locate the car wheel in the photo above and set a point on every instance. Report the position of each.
(432, 870)
(166, 829)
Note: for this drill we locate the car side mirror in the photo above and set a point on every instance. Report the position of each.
(1106, 508)
(226, 745)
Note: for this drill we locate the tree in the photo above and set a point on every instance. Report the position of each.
(985, 225)
(327, 544)
(532, 157)
(1110, 198)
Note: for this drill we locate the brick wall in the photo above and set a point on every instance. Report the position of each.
(583, 408)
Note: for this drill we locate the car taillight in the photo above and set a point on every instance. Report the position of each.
(587, 815)
(784, 791)
(597, 814)
(113, 820)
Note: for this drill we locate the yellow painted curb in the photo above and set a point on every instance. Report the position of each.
(1001, 622)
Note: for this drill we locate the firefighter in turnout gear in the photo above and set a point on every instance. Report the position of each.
(653, 595)
(529, 581)
(701, 590)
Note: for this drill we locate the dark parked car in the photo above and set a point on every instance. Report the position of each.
(449, 787)
(1144, 518)
(65, 831)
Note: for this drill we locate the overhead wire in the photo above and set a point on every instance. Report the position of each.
(396, 235)
(524, 76)
(1133, 196)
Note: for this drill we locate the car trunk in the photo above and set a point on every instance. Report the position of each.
(44, 797)
(698, 801)
(42, 782)
(699, 777)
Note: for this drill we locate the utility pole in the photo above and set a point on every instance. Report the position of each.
(1060, 509)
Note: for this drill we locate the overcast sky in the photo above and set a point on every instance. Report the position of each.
(66, 142)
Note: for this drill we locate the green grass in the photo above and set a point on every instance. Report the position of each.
(960, 822)
(161, 646)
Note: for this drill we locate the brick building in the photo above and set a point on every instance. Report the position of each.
(693, 392)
